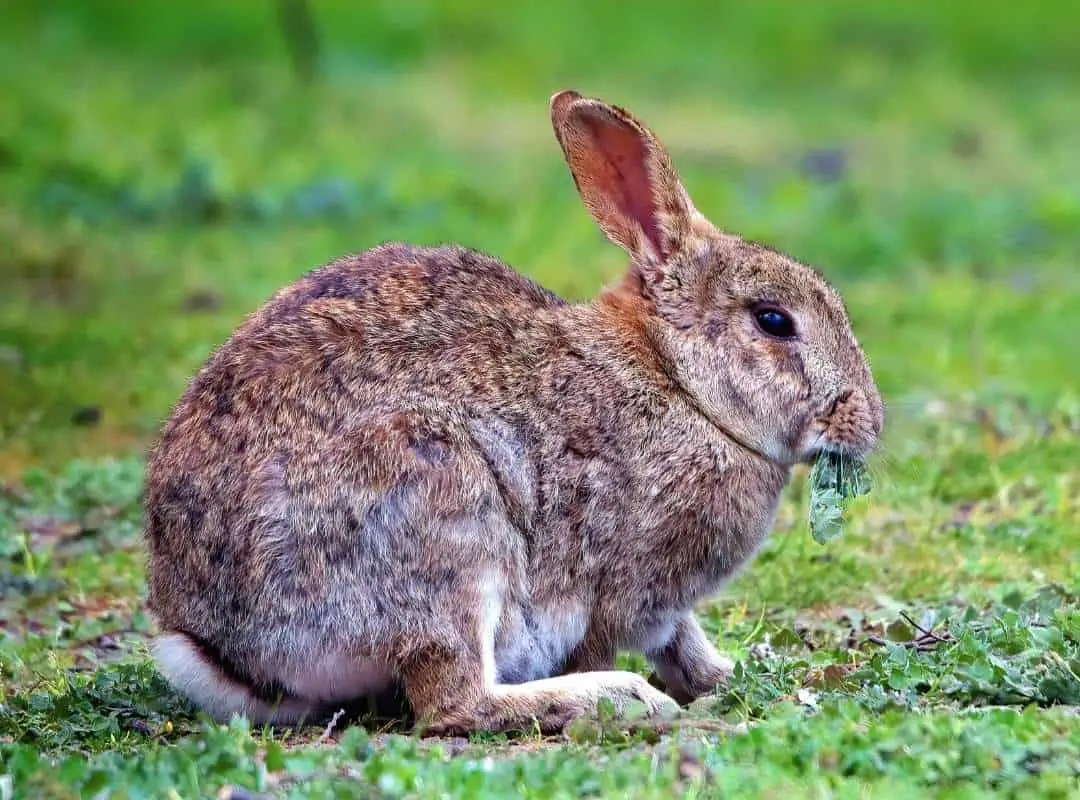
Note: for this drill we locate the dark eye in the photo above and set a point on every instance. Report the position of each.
(774, 322)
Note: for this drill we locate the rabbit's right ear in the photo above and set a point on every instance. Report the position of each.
(625, 178)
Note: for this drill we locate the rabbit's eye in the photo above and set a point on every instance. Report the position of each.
(774, 322)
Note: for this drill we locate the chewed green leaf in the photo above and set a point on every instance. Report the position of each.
(826, 520)
(834, 478)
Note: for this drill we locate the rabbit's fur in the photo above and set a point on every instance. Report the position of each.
(416, 468)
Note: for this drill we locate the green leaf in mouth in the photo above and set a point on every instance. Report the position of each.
(835, 477)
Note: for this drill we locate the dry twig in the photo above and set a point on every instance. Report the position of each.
(325, 735)
(926, 640)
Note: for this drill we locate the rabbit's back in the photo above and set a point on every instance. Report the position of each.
(394, 322)
(414, 298)
(399, 316)
(395, 328)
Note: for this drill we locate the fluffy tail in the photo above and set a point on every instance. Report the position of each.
(192, 673)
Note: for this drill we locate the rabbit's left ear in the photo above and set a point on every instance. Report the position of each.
(625, 178)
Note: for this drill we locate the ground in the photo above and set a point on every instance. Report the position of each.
(166, 167)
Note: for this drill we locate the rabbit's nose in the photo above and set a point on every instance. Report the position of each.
(874, 406)
(855, 419)
(840, 399)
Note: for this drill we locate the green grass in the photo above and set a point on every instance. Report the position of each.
(162, 172)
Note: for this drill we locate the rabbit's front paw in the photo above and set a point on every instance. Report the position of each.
(635, 689)
(718, 673)
(701, 680)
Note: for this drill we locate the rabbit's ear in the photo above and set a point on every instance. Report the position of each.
(625, 178)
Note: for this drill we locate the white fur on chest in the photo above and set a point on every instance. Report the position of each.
(534, 643)
(653, 636)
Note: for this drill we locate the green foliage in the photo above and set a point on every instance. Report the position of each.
(82, 492)
(163, 173)
(998, 749)
(1021, 650)
(118, 708)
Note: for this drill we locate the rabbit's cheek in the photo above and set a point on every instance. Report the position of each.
(780, 421)
(811, 440)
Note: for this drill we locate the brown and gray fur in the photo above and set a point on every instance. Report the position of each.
(414, 467)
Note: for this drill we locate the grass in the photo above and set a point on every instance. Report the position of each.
(163, 172)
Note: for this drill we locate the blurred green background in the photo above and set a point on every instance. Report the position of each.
(165, 167)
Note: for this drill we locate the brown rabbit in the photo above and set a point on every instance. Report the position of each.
(416, 468)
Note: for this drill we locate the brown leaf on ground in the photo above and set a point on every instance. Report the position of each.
(832, 677)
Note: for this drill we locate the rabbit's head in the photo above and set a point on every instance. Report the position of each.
(758, 342)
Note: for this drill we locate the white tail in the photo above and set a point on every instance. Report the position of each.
(206, 685)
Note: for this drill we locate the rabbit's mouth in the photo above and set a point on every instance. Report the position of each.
(850, 426)
(845, 433)
(822, 444)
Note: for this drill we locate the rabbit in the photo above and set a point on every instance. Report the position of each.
(417, 468)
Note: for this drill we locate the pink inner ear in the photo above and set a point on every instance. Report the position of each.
(624, 176)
